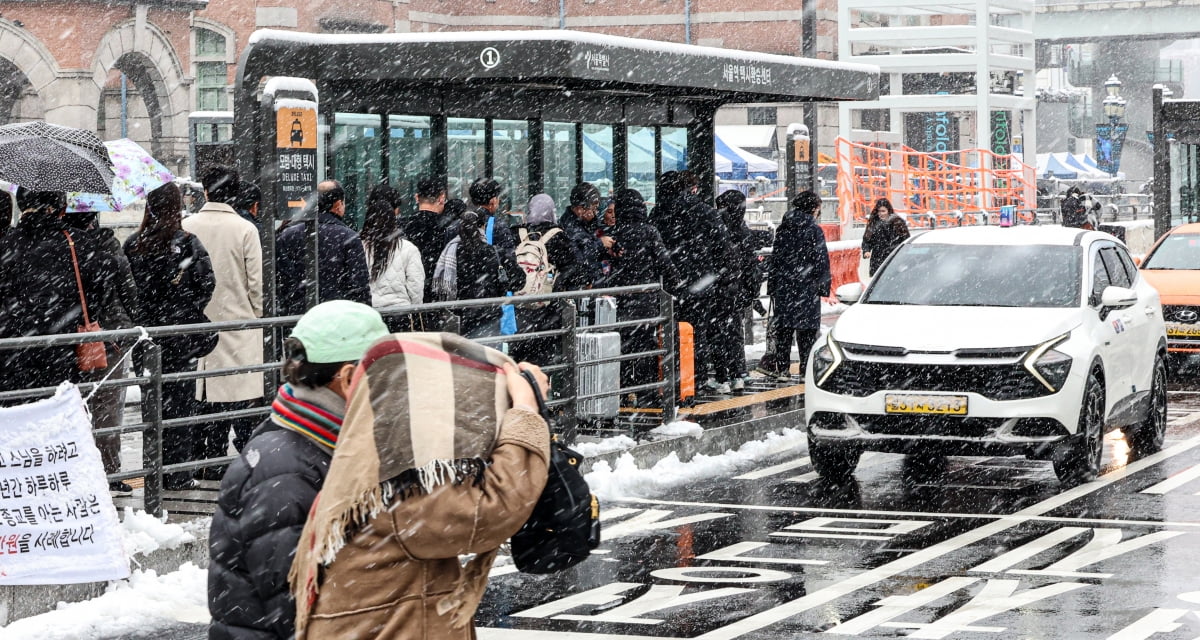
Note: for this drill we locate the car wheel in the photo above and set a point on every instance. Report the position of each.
(1078, 459)
(833, 462)
(1148, 435)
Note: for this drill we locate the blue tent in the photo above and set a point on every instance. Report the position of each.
(734, 163)
(1050, 167)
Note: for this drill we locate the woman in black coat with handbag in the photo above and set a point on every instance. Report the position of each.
(885, 231)
(175, 281)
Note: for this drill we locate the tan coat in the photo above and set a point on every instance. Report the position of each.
(233, 246)
(400, 578)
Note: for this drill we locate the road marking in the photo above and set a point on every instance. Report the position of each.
(907, 563)
(1184, 419)
(772, 470)
(915, 514)
(868, 460)
(1175, 481)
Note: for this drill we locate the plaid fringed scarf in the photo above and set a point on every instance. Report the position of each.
(425, 410)
(306, 418)
(445, 274)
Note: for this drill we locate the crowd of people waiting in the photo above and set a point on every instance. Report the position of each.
(208, 266)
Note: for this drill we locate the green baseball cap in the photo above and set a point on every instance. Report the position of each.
(339, 331)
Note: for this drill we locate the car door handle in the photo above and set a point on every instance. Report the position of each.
(1150, 311)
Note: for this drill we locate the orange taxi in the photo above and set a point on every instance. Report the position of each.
(1173, 267)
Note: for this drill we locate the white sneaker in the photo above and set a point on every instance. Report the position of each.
(723, 388)
(738, 384)
(711, 384)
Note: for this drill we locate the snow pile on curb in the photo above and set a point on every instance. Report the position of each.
(607, 445)
(628, 481)
(142, 533)
(679, 428)
(141, 602)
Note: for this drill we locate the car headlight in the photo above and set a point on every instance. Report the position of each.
(1049, 366)
(826, 360)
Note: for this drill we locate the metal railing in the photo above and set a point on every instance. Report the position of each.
(565, 401)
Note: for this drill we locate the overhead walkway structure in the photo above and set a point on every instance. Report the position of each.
(1070, 21)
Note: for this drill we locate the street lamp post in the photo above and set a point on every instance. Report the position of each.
(1110, 137)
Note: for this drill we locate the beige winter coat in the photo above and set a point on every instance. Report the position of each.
(233, 246)
(401, 577)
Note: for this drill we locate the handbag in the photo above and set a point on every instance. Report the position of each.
(189, 346)
(90, 356)
(565, 524)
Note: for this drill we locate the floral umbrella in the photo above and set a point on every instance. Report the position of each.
(137, 174)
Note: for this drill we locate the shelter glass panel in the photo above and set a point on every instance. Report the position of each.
(558, 161)
(410, 152)
(639, 161)
(465, 155)
(357, 160)
(510, 162)
(674, 148)
(598, 157)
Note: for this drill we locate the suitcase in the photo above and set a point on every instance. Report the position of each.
(597, 378)
(606, 310)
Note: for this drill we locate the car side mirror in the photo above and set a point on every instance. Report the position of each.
(1137, 261)
(1118, 298)
(849, 293)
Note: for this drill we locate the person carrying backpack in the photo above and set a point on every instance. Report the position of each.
(549, 263)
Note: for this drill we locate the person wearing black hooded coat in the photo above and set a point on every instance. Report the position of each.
(798, 277)
(698, 244)
(744, 282)
(640, 257)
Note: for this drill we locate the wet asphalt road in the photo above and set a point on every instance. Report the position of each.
(991, 548)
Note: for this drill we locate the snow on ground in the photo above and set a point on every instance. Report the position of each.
(627, 480)
(140, 603)
(146, 601)
(142, 533)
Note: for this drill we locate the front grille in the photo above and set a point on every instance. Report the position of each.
(859, 378)
(1181, 313)
(903, 425)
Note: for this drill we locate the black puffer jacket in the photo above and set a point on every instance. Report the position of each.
(265, 498)
(341, 271)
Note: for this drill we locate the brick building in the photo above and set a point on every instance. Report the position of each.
(138, 68)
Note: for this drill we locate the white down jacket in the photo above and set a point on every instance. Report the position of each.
(403, 282)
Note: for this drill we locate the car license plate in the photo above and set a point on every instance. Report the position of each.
(925, 404)
(1179, 329)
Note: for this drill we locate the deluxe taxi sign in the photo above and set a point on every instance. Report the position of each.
(295, 150)
(57, 520)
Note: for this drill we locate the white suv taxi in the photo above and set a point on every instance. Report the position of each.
(992, 341)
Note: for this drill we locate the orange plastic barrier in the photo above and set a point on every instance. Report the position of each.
(929, 183)
(833, 232)
(843, 266)
(687, 363)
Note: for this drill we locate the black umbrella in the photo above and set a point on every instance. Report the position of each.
(47, 157)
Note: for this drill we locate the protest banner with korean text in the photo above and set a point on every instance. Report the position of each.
(57, 520)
